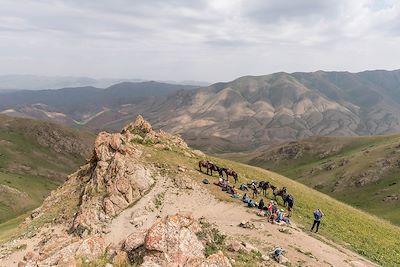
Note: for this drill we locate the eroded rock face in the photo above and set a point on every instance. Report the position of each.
(172, 241)
(114, 178)
(116, 181)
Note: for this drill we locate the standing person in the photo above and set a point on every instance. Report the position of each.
(318, 214)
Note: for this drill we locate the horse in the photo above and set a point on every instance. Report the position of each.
(213, 167)
(264, 186)
(204, 163)
(230, 172)
(278, 192)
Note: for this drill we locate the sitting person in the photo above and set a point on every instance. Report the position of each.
(246, 199)
(286, 218)
(261, 204)
(277, 254)
(225, 185)
(251, 204)
(220, 182)
(243, 187)
(279, 216)
(234, 192)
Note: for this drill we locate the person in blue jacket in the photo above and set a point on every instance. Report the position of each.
(318, 214)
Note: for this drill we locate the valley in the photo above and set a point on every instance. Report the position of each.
(35, 158)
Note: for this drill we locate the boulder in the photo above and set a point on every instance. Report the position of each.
(171, 240)
(216, 259)
(134, 241)
(91, 247)
(235, 246)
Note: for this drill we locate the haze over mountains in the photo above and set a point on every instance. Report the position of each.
(240, 115)
(35, 82)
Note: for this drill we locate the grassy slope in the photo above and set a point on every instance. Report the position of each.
(366, 234)
(28, 169)
(365, 154)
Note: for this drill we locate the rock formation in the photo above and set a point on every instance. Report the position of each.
(173, 241)
(114, 178)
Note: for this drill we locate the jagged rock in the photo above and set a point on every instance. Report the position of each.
(285, 230)
(117, 180)
(88, 248)
(31, 256)
(216, 259)
(235, 246)
(183, 182)
(249, 247)
(91, 247)
(171, 240)
(135, 240)
(139, 126)
(247, 224)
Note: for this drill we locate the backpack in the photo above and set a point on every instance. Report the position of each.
(317, 215)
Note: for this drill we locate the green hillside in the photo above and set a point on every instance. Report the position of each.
(361, 171)
(366, 234)
(35, 157)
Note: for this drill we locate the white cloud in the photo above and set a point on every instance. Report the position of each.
(200, 40)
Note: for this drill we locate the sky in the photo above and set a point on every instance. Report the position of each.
(203, 40)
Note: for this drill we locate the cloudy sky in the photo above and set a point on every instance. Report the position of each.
(207, 40)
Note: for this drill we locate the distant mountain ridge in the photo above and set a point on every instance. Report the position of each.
(75, 105)
(261, 110)
(244, 114)
(36, 82)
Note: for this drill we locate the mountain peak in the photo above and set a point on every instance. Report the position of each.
(139, 125)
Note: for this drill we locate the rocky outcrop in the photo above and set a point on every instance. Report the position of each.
(66, 252)
(114, 178)
(172, 241)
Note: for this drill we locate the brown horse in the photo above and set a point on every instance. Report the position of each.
(279, 192)
(209, 166)
(230, 172)
(213, 167)
(264, 186)
(205, 164)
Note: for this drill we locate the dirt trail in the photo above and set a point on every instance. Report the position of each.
(300, 246)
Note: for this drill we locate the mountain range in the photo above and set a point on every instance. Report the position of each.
(35, 82)
(244, 114)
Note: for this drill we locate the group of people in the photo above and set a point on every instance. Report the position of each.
(270, 210)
